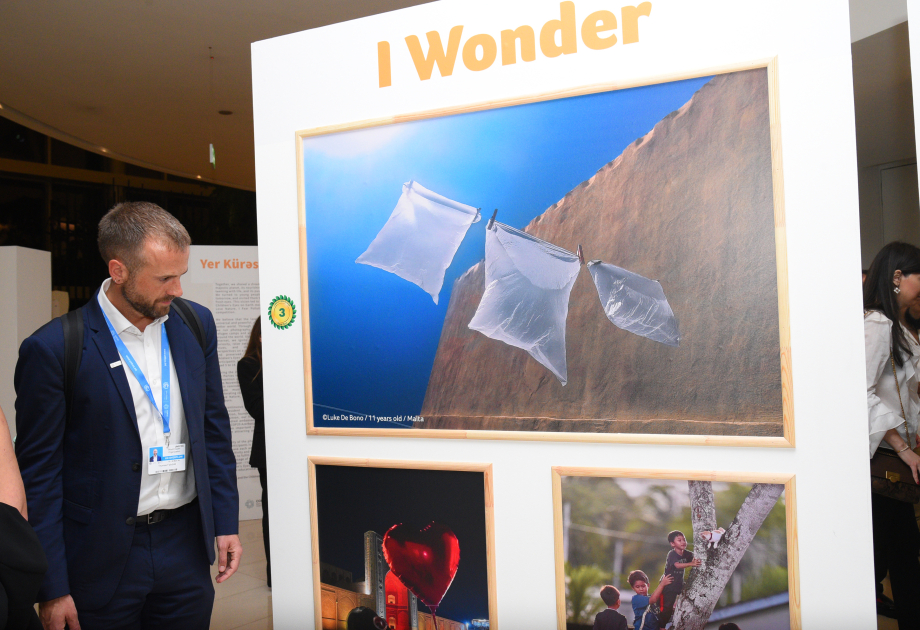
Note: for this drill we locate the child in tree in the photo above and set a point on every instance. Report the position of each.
(645, 608)
(609, 618)
(678, 560)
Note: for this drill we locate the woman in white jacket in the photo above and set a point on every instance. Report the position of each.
(891, 288)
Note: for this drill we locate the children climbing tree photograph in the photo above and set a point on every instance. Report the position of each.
(684, 553)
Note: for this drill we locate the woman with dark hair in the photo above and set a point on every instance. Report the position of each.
(249, 374)
(891, 288)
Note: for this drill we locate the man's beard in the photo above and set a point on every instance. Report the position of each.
(148, 309)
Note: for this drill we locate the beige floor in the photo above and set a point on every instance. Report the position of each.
(244, 602)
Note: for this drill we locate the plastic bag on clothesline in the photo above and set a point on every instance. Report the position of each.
(634, 303)
(526, 301)
(419, 240)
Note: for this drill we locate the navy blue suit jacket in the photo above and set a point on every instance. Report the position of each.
(83, 474)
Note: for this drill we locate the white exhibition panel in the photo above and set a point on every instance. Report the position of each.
(330, 76)
(25, 283)
(225, 278)
(913, 28)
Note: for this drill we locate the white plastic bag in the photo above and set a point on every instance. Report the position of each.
(526, 301)
(421, 237)
(634, 303)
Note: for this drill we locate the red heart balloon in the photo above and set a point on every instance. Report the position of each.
(425, 561)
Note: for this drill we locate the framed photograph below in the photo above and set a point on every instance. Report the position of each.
(695, 549)
(604, 264)
(409, 542)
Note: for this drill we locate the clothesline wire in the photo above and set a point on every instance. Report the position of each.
(535, 239)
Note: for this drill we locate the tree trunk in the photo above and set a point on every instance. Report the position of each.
(705, 584)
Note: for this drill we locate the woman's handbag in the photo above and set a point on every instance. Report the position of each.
(891, 477)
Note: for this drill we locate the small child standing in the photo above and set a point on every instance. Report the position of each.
(609, 618)
(678, 560)
(644, 606)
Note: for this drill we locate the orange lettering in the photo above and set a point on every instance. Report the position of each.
(509, 45)
(599, 22)
(566, 27)
(631, 17)
(470, 60)
(383, 64)
(436, 54)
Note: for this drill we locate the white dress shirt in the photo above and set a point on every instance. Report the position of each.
(165, 490)
(884, 405)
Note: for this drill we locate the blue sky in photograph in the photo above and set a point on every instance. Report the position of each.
(373, 335)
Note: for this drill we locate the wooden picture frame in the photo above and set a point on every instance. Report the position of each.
(488, 512)
(746, 429)
(788, 480)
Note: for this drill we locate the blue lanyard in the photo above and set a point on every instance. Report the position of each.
(132, 365)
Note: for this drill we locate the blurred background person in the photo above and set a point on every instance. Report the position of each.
(249, 374)
(891, 289)
(22, 560)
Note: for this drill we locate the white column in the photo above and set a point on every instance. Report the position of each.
(25, 284)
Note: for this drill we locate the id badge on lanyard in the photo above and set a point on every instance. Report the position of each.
(162, 458)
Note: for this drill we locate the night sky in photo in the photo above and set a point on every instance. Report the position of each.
(353, 500)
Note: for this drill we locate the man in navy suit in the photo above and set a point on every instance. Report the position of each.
(129, 542)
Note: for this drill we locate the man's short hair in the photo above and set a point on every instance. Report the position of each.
(674, 534)
(610, 595)
(637, 575)
(729, 625)
(126, 227)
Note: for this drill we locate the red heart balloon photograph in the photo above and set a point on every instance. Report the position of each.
(390, 540)
(424, 560)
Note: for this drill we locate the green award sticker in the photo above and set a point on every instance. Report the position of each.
(282, 312)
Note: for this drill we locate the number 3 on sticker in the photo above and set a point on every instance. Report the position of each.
(281, 312)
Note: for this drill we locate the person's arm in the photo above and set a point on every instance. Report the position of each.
(904, 451)
(221, 461)
(40, 424)
(247, 370)
(12, 492)
(665, 580)
(58, 613)
(693, 563)
(882, 416)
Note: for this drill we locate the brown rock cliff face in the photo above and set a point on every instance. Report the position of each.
(691, 205)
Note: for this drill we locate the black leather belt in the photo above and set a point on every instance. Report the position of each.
(158, 516)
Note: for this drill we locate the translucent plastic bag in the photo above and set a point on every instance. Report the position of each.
(421, 237)
(526, 301)
(634, 303)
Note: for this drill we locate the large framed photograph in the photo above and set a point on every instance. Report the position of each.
(693, 549)
(604, 264)
(411, 543)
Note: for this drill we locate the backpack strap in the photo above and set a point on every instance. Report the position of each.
(72, 322)
(190, 317)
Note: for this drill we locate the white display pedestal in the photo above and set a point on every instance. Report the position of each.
(25, 283)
